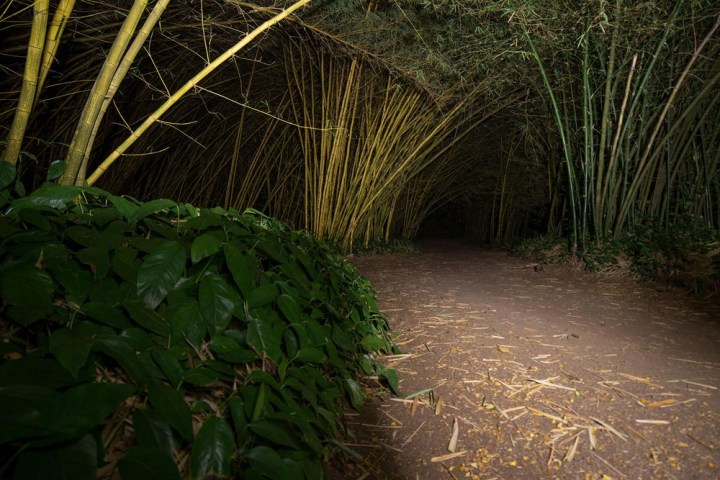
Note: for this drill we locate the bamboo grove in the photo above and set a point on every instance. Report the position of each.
(359, 124)
(635, 103)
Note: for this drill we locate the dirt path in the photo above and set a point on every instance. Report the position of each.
(541, 374)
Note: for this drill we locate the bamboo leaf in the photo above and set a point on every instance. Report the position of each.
(212, 450)
(357, 397)
(204, 246)
(57, 168)
(77, 460)
(149, 463)
(218, 300)
(7, 174)
(263, 335)
(159, 273)
(28, 290)
(71, 347)
(152, 431)
(149, 208)
(170, 405)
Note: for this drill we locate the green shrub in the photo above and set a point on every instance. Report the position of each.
(159, 339)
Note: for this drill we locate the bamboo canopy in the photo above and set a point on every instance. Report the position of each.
(359, 120)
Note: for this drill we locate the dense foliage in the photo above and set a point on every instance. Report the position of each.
(162, 340)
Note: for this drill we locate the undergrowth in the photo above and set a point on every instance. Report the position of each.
(162, 340)
(683, 254)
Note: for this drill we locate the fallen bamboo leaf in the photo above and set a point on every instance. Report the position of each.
(438, 406)
(570, 454)
(537, 412)
(547, 383)
(694, 383)
(449, 456)
(644, 380)
(662, 403)
(413, 408)
(503, 349)
(454, 438)
(591, 436)
(610, 428)
(652, 422)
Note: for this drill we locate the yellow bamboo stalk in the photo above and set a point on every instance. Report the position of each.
(187, 87)
(52, 41)
(90, 114)
(30, 82)
(118, 77)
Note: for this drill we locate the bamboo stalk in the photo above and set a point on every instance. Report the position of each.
(83, 133)
(30, 82)
(151, 119)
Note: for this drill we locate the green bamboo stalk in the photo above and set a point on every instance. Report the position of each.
(599, 209)
(572, 179)
(23, 110)
(640, 176)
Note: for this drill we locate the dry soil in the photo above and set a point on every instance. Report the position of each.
(518, 371)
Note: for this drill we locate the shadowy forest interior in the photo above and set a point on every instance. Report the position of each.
(135, 134)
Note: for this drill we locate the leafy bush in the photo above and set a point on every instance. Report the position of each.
(683, 253)
(161, 340)
(548, 249)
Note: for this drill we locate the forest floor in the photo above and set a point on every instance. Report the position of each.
(525, 372)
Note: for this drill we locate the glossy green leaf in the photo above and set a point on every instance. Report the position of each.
(147, 318)
(169, 365)
(187, 323)
(147, 463)
(240, 268)
(29, 292)
(126, 207)
(77, 460)
(263, 334)
(342, 338)
(35, 370)
(151, 430)
(147, 209)
(212, 450)
(171, 406)
(126, 264)
(49, 195)
(71, 347)
(25, 412)
(277, 432)
(200, 376)
(203, 246)
(310, 355)
(357, 397)
(218, 301)
(139, 338)
(289, 308)
(159, 273)
(372, 343)
(269, 463)
(104, 313)
(262, 295)
(97, 259)
(56, 169)
(390, 375)
(7, 174)
(98, 401)
(239, 418)
(120, 350)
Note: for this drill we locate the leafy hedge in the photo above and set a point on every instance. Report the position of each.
(159, 340)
